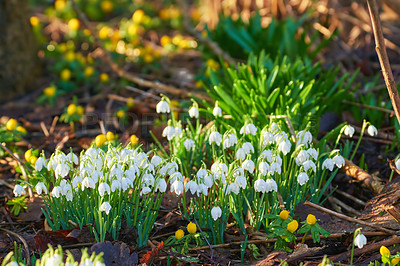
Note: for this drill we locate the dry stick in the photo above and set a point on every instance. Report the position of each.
(345, 217)
(44, 128)
(384, 110)
(394, 212)
(351, 197)
(383, 58)
(28, 256)
(53, 124)
(344, 205)
(158, 98)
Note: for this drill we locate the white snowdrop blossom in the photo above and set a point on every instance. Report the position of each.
(275, 167)
(313, 153)
(56, 192)
(229, 141)
(163, 107)
(216, 137)
(104, 188)
(61, 170)
(302, 178)
(372, 131)
(285, 146)
(240, 154)
(241, 181)
(73, 158)
(216, 213)
(192, 186)
(309, 165)
(124, 184)
(177, 187)
(189, 144)
(217, 111)
(201, 173)
(303, 137)
(339, 161)
(162, 185)
(145, 191)
(248, 147)
(18, 190)
(178, 132)
(270, 185)
(156, 160)
(88, 183)
(397, 163)
(169, 132)
(273, 128)
(194, 112)
(302, 157)
(248, 129)
(263, 167)
(40, 163)
(260, 185)
(360, 240)
(268, 138)
(248, 165)
(40, 187)
(115, 185)
(328, 164)
(348, 130)
(54, 260)
(105, 207)
(267, 154)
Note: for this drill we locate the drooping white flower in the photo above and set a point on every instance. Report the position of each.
(145, 191)
(192, 186)
(285, 146)
(270, 185)
(18, 190)
(124, 184)
(233, 188)
(40, 163)
(240, 154)
(268, 138)
(163, 107)
(73, 158)
(176, 176)
(69, 195)
(61, 170)
(260, 185)
(56, 192)
(202, 189)
(177, 187)
(328, 164)
(339, 161)
(217, 111)
(302, 178)
(161, 185)
(313, 153)
(309, 165)
(116, 184)
(397, 163)
(372, 131)
(189, 144)
(178, 132)
(303, 137)
(156, 160)
(273, 128)
(169, 132)
(40, 187)
(103, 188)
(248, 165)
(194, 112)
(105, 207)
(216, 137)
(148, 179)
(241, 181)
(88, 182)
(208, 181)
(248, 147)
(248, 129)
(275, 167)
(360, 240)
(348, 131)
(267, 154)
(201, 173)
(301, 157)
(229, 141)
(216, 213)
(263, 167)
(54, 260)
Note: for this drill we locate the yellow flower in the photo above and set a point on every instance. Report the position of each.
(199, 84)
(60, 4)
(11, 124)
(80, 110)
(87, 32)
(384, 251)
(65, 74)
(131, 102)
(138, 16)
(21, 129)
(134, 140)
(70, 56)
(50, 91)
(34, 21)
(71, 109)
(120, 113)
(292, 226)
(100, 140)
(74, 24)
(105, 32)
(148, 58)
(284, 214)
(395, 261)
(179, 234)
(33, 159)
(165, 40)
(28, 155)
(89, 71)
(107, 6)
(191, 227)
(110, 136)
(163, 14)
(311, 220)
(211, 63)
(104, 78)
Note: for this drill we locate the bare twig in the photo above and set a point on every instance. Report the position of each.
(205, 238)
(28, 256)
(351, 197)
(44, 128)
(344, 205)
(383, 58)
(371, 182)
(394, 212)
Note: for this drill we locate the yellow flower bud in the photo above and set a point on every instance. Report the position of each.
(60, 4)
(50, 91)
(384, 251)
(11, 124)
(292, 226)
(311, 220)
(28, 155)
(138, 16)
(21, 129)
(80, 110)
(100, 140)
(110, 136)
(89, 71)
(71, 109)
(134, 140)
(165, 40)
(179, 234)
(34, 21)
(104, 78)
(395, 261)
(284, 214)
(107, 6)
(33, 160)
(74, 24)
(192, 228)
(120, 113)
(65, 74)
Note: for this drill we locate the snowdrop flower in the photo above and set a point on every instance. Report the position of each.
(40, 163)
(217, 111)
(18, 190)
(192, 185)
(62, 170)
(103, 188)
(229, 141)
(248, 147)
(145, 191)
(267, 154)
(360, 240)
(201, 173)
(348, 130)
(248, 165)
(115, 185)
(148, 179)
(339, 161)
(248, 129)
(397, 163)
(54, 260)
(156, 160)
(302, 178)
(202, 189)
(189, 144)
(96, 175)
(125, 184)
(40, 187)
(216, 213)
(273, 128)
(105, 207)
(176, 176)
(163, 107)
(88, 182)
(73, 158)
(260, 185)
(328, 164)
(285, 146)
(76, 181)
(162, 185)
(268, 138)
(240, 154)
(178, 132)
(372, 131)
(169, 132)
(56, 192)
(301, 157)
(313, 153)
(275, 167)
(177, 187)
(241, 181)
(194, 112)
(309, 164)
(263, 167)
(303, 137)
(233, 188)
(208, 181)
(216, 137)
(69, 195)
(270, 185)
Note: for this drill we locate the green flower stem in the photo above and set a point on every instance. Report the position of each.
(364, 126)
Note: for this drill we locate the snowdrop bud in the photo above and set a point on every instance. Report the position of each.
(302, 178)
(309, 164)
(240, 154)
(217, 111)
(216, 213)
(260, 185)
(40, 163)
(372, 131)
(339, 161)
(348, 131)
(270, 185)
(103, 188)
(177, 187)
(105, 207)
(163, 107)
(328, 164)
(156, 160)
(145, 191)
(215, 137)
(56, 192)
(313, 153)
(194, 112)
(189, 144)
(360, 240)
(18, 190)
(169, 132)
(263, 167)
(248, 165)
(40, 187)
(162, 185)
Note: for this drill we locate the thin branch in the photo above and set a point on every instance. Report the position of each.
(28, 256)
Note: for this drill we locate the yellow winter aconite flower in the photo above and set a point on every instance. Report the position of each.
(179, 234)
(50, 91)
(138, 16)
(11, 124)
(165, 40)
(100, 140)
(192, 228)
(65, 74)
(60, 4)
(384, 251)
(284, 214)
(394, 261)
(33, 160)
(71, 109)
(89, 71)
(107, 6)
(292, 226)
(80, 110)
(104, 78)
(74, 24)
(70, 56)
(311, 220)
(21, 129)
(34, 21)
(131, 102)
(110, 136)
(211, 63)
(28, 155)
(134, 140)
(120, 113)
(105, 32)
